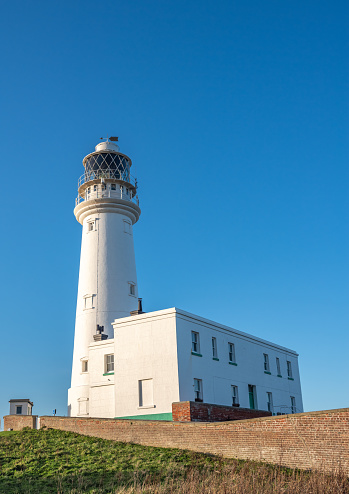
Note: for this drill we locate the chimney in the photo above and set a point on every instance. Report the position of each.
(99, 336)
(139, 310)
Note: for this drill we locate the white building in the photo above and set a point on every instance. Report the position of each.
(138, 365)
(21, 407)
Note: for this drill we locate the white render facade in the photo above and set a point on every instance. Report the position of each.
(147, 361)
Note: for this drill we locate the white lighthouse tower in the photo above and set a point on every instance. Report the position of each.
(107, 208)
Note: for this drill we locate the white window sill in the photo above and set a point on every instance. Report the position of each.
(146, 406)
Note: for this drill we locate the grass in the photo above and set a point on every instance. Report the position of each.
(50, 461)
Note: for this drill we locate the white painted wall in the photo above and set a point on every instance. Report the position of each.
(145, 348)
(107, 268)
(102, 395)
(26, 407)
(152, 345)
(218, 376)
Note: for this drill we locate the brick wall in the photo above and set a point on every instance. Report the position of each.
(305, 440)
(191, 411)
(18, 422)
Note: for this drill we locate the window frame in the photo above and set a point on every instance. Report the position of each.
(214, 348)
(289, 369)
(195, 340)
(132, 289)
(84, 366)
(231, 353)
(141, 403)
(270, 406)
(128, 227)
(278, 368)
(89, 298)
(91, 226)
(198, 393)
(293, 405)
(21, 409)
(234, 394)
(266, 364)
(109, 364)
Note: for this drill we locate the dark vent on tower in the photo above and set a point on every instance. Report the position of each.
(139, 310)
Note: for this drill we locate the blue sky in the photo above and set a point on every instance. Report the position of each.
(235, 115)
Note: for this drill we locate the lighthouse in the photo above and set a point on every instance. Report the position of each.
(128, 364)
(107, 207)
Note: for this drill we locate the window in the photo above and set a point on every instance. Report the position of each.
(132, 289)
(252, 396)
(126, 190)
(293, 405)
(84, 366)
(19, 410)
(198, 389)
(83, 406)
(195, 342)
(266, 362)
(127, 227)
(289, 370)
(113, 186)
(95, 188)
(270, 402)
(278, 371)
(89, 302)
(234, 395)
(104, 187)
(145, 389)
(90, 226)
(214, 348)
(109, 363)
(231, 347)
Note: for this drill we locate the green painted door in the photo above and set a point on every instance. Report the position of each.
(251, 396)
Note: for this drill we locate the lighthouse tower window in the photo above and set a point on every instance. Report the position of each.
(127, 227)
(88, 302)
(132, 289)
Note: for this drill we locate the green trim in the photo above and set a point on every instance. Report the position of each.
(196, 354)
(279, 375)
(290, 378)
(233, 363)
(215, 358)
(267, 372)
(108, 374)
(150, 416)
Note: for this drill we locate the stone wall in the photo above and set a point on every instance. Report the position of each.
(306, 440)
(191, 411)
(18, 422)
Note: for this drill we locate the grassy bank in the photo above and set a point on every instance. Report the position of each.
(63, 462)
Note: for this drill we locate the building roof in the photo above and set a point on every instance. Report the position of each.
(203, 321)
(21, 401)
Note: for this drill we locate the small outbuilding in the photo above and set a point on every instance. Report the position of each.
(21, 407)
